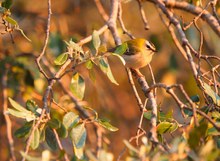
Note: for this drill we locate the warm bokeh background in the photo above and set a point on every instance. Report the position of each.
(77, 19)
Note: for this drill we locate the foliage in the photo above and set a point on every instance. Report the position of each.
(82, 84)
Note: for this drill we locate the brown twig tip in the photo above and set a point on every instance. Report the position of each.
(143, 16)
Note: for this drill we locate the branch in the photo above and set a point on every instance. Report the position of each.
(7, 118)
(45, 41)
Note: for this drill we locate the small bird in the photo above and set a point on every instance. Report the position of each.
(138, 54)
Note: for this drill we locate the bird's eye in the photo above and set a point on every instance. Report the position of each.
(150, 46)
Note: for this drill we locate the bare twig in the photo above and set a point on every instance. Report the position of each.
(7, 118)
(197, 17)
(131, 81)
(213, 5)
(45, 41)
(182, 5)
(101, 10)
(28, 143)
(122, 23)
(146, 26)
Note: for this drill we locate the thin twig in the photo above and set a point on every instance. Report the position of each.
(45, 41)
(122, 23)
(7, 118)
(197, 17)
(131, 81)
(146, 26)
(101, 10)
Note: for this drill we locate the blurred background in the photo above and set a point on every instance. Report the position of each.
(76, 19)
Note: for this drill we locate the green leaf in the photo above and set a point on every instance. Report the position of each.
(147, 115)
(54, 123)
(11, 21)
(61, 59)
(89, 64)
(7, 4)
(196, 135)
(70, 119)
(22, 33)
(42, 134)
(215, 114)
(2, 10)
(165, 127)
(35, 139)
(96, 40)
(120, 57)
(62, 131)
(51, 138)
(77, 86)
(195, 98)
(121, 49)
(212, 94)
(17, 106)
(23, 131)
(30, 158)
(78, 136)
(24, 115)
(104, 66)
(79, 152)
(74, 46)
(130, 147)
(31, 106)
(107, 125)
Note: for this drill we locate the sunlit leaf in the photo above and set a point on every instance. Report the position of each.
(23, 131)
(79, 152)
(89, 64)
(54, 123)
(213, 132)
(25, 115)
(130, 147)
(70, 119)
(78, 135)
(215, 114)
(107, 125)
(96, 40)
(212, 94)
(30, 158)
(207, 148)
(61, 59)
(17, 106)
(22, 33)
(74, 46)
(165, 127)
(121, 49)
(35, 139)
(104, 66)
(105, 156)
(51, 138)
(11, 21)
(77, 85)
(120, 57)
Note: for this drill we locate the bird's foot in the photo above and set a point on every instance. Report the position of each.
(136, 73)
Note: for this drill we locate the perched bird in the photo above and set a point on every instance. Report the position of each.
(138, 54)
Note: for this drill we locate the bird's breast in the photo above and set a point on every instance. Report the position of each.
(137, 60)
